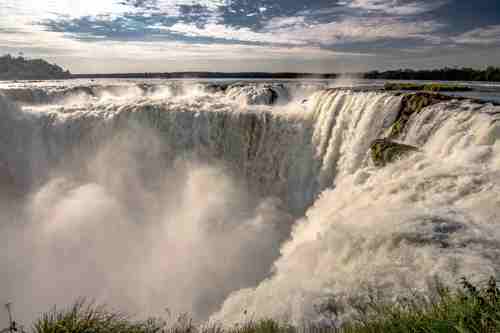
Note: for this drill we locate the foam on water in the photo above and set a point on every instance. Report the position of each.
(392, 231)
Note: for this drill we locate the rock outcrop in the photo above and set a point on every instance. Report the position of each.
(257, 94)
(412, 104)
(384, 151)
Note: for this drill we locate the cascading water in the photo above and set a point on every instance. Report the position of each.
(392, 232)
(183, 196)
(345, 125)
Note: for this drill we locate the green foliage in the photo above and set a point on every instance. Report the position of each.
(444, 74)
(12, 68)
(263, 326)
(435, 87)
(470, 309)
(84, 317)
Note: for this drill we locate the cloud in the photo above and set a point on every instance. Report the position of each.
(28, 15)
(155, 37)
(69, 8)
(104, 55)
(394, 7)
(489, 35)
(90, 36)
(296, 31)
(283, 22)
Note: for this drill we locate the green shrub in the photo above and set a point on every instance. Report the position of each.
(433, 87)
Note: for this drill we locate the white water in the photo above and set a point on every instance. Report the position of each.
(393, 230)
(179, 198)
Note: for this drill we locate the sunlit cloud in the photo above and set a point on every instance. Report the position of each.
(295, 32)
(395, 7)
(486, 35)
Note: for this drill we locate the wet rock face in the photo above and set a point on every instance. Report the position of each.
(262, 94)
(214, 88)
(412, 104)
(384, 151)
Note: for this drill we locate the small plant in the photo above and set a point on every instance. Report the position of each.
(264, 326)
(87, 317)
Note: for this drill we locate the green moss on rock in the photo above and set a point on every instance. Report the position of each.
(412, 104)
(384, 151)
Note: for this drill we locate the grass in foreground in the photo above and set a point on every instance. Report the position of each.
(471, 309)
(84, 317)
(433, 87)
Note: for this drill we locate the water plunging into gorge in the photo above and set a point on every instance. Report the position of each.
(252, 198)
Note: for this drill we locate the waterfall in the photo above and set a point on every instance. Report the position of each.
(345, 125)
(392, 232)
(270, 197)
(293, 156)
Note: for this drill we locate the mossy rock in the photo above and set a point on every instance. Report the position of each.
(412, 104)
(384, 151)
(442, 87)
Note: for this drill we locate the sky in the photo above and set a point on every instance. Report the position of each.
(103, 36)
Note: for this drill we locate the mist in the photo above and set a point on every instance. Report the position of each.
(131, 229)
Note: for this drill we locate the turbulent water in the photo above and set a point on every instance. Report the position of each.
(239, 201)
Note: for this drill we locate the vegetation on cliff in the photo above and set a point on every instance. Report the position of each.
(444, 74)
(412, 104)
(19, 68)
(435, 87)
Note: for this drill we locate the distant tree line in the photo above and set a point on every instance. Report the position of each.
(445, 74)
(209, 75)
(20, 68)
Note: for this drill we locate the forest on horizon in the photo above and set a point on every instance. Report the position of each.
(21, 68)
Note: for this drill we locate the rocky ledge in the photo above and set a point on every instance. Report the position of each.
(384, 151)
